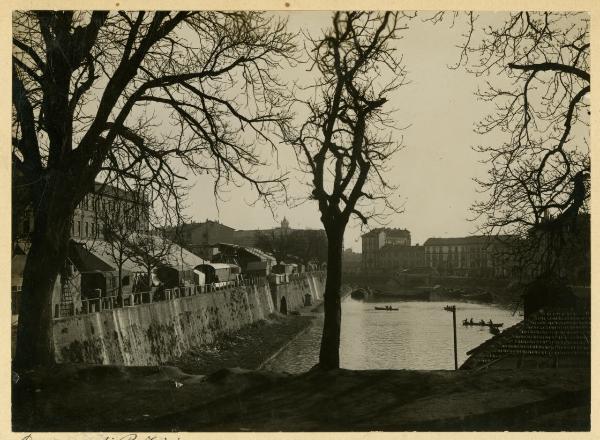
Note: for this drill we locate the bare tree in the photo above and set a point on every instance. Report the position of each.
(126, 214)
(276, 242)
(344, 143)
(310, 246)
(537, 183)
(135, 97)
(150, 251)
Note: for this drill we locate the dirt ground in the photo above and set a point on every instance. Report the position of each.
(247, 348)
(108, 398)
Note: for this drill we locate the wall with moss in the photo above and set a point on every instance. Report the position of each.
(151, 334)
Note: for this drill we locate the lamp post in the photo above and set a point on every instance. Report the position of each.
(453, 310)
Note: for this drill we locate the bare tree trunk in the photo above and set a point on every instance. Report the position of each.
(149, 274)
(46, 257)
(120, 284)
(329, 357)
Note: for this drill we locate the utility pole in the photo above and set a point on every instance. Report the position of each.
(453, 310)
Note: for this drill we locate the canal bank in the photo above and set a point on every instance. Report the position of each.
(248, 348)
(437, 288)
(77, 398)
(158, 331)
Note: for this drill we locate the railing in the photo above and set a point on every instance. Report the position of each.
(285, 278)
(99, 304)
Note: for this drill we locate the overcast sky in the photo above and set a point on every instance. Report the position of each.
(434, 171)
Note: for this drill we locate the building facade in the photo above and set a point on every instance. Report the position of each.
(201, 238)
(197, 237)
(351, 261)
(473, 256)
(104, 205)
(393, 256)
(375, 240)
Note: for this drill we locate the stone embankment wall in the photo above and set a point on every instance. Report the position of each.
(150, 334)
(290, 293)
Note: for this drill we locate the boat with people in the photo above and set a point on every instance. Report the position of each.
(482, 323)
(386, 308)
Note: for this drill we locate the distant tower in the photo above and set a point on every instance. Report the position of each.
(285, 225)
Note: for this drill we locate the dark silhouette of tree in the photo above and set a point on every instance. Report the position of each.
(305, 245)
(134, 97)
(537, 181)
(277, 242)
(310, 246)
(150, 250)
(120, 215)
(345, 141)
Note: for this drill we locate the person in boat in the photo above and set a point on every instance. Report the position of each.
(471, 321)
(481, 322)
(491, 324)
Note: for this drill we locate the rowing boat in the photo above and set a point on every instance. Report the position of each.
(483, 324)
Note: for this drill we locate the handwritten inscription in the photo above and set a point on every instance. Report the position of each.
(131, 436)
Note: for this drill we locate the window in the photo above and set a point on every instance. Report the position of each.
(78, 229)
(125, 281)
(93, 230)
(86, 229)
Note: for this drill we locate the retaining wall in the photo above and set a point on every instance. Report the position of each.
(150, 334)
(292, 293)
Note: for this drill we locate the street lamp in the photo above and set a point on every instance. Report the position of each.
(453, 310)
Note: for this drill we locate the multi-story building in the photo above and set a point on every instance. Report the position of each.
(249, 237)
(201, 238)
(96, 208)
(85, 260)
(473, 256)
(374, 240)
(198, 237)
(351, 261)
(397, 257)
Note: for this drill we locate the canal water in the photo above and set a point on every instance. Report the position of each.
(418, 336)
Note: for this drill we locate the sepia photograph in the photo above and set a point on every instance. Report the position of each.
(299, 221)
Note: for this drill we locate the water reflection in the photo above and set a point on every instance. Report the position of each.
(417, 336)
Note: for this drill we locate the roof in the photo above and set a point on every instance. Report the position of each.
(196, 225)
(397, 232)
(392, 232)
(554, 333)
(179, 257)
(218, 266)
(102, 249)
(105, 189)
(372, 232)
(86, 261)
(264, 256)
(471, 239)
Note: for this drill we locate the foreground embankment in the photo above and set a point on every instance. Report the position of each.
(110, 398)
(247, 348)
